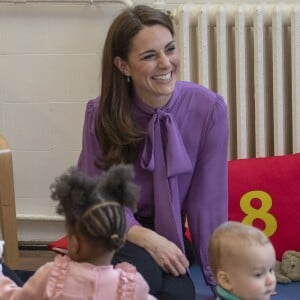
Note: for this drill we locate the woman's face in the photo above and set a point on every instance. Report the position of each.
(152, 65)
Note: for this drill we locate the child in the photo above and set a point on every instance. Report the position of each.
(95, 224)
(242, 260)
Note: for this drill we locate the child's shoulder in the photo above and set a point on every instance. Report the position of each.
(133, 285)
(128, 279)
(127, 267)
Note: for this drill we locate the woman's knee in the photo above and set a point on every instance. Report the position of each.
(144, 263)
(177, 288)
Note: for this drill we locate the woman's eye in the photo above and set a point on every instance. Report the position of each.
(148, 56)
(171, 48)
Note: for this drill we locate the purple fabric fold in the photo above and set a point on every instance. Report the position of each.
(165, 154)
(177, 159)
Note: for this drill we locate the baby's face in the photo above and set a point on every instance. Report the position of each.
(253, 276)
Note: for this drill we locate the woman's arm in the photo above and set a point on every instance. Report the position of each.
(207, 201)
(90, 150)
(165, 253)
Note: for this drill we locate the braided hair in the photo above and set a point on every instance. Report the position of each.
(95, 206)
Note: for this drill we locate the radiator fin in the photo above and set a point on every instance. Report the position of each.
(250, 54)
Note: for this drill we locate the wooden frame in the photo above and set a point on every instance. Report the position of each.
(7, 206)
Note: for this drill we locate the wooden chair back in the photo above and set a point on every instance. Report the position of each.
(8, 219)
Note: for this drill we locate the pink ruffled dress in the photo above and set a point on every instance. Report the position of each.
(65, 279)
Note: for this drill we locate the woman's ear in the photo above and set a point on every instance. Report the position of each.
(122, 65)
(223, 280)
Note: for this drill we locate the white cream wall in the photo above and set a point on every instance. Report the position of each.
(49, 67)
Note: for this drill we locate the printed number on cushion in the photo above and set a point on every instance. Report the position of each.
(265, 192)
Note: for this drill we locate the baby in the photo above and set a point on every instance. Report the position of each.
(242, 260)
(95, 224)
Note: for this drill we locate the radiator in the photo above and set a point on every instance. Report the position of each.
(250, 54)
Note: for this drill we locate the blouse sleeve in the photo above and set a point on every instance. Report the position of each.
(207, 202)
(33, 289)
(90, 150)
(130, 219)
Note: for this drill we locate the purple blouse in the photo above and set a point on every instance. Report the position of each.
(182, 168)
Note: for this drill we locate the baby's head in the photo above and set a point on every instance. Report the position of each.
(94, 207)
(242, 260)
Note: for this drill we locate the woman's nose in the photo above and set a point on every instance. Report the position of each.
(163, 61)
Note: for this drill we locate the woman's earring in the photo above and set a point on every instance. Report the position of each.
(128, 79)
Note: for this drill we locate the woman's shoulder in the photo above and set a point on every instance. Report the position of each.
(91, 110)
(196, 93)
(92, 104)
(190, 86)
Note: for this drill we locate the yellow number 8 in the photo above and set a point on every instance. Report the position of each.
(261, 213)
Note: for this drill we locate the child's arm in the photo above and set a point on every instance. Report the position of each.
(33, 289)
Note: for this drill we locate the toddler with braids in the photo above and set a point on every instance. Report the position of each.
(94, 210)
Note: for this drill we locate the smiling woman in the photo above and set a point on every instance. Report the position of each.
(152, 64)
(175, 134)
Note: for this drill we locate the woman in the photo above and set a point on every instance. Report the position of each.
(174, 133)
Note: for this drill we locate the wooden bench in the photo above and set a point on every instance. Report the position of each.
(8, 218)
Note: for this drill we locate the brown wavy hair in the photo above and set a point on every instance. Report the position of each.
(116, 131)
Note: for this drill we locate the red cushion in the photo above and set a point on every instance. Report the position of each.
(265, 192)
(60, 246)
